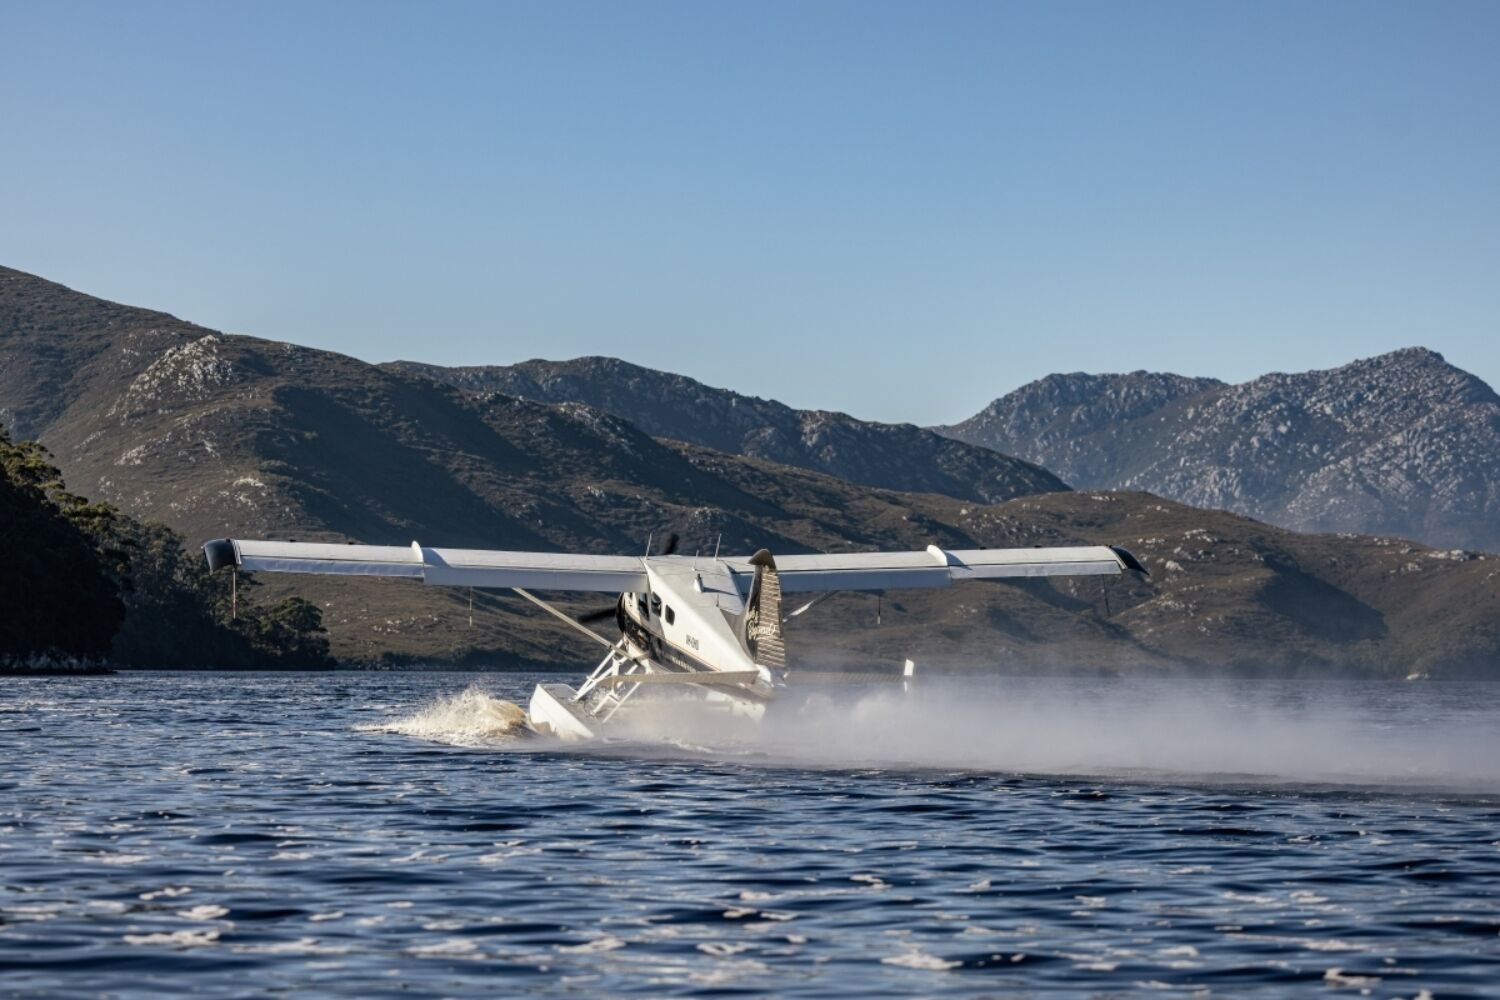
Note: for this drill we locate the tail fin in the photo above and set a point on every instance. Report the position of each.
(763, 615)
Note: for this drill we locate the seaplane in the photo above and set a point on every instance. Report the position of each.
(711, 627)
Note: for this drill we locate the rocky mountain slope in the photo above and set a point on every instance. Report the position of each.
(217, 434)
(890, 456)
(1402, 444)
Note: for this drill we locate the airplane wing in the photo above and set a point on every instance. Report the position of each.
(438, 567)
(935, 567)
(931, 567)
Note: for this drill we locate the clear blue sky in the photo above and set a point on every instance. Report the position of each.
(897, 210)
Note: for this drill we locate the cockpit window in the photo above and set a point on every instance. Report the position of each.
(656, 604)
(671, 616)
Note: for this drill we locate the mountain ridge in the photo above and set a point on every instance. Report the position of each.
(888, 456)
(1402, 443)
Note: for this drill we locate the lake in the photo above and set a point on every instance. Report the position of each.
(381, 834)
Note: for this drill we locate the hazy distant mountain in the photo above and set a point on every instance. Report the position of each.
(891, 456)
(1402, 444)
(217, 434)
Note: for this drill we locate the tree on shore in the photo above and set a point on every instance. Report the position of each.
(82, 580)
(58, 593)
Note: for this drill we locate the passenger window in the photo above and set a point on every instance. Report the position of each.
(670, 616)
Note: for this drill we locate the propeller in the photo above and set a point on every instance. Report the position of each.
(598, 615)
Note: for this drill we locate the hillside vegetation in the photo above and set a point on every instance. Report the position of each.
(83, 584)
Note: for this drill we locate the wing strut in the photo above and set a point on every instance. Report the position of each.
(576, 625)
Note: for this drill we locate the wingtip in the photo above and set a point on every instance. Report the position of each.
(220, 553)
(1129, 561)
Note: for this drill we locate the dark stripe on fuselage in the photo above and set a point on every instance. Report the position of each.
(664, 652)
(673, 659)
(674, 655)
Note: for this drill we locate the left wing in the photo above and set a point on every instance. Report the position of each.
(931, 567)
(439, 567)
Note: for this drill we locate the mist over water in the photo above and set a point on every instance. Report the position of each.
(1235, 732)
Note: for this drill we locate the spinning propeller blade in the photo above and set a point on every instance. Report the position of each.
(596, 616)
(671, 545)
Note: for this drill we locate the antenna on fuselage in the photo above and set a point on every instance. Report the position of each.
(716, 546)
(649, 539)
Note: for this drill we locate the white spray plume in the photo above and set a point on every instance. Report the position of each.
(1196, 731)
(470, 718)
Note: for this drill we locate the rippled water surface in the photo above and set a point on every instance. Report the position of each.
(375, 834)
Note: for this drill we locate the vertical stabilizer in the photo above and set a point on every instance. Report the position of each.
(763, 617)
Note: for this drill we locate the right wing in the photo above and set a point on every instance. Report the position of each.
(437, 567)
(935, 567)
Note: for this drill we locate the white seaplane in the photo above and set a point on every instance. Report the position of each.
(709, 625)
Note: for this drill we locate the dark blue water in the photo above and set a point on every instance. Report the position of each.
(378, 834)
